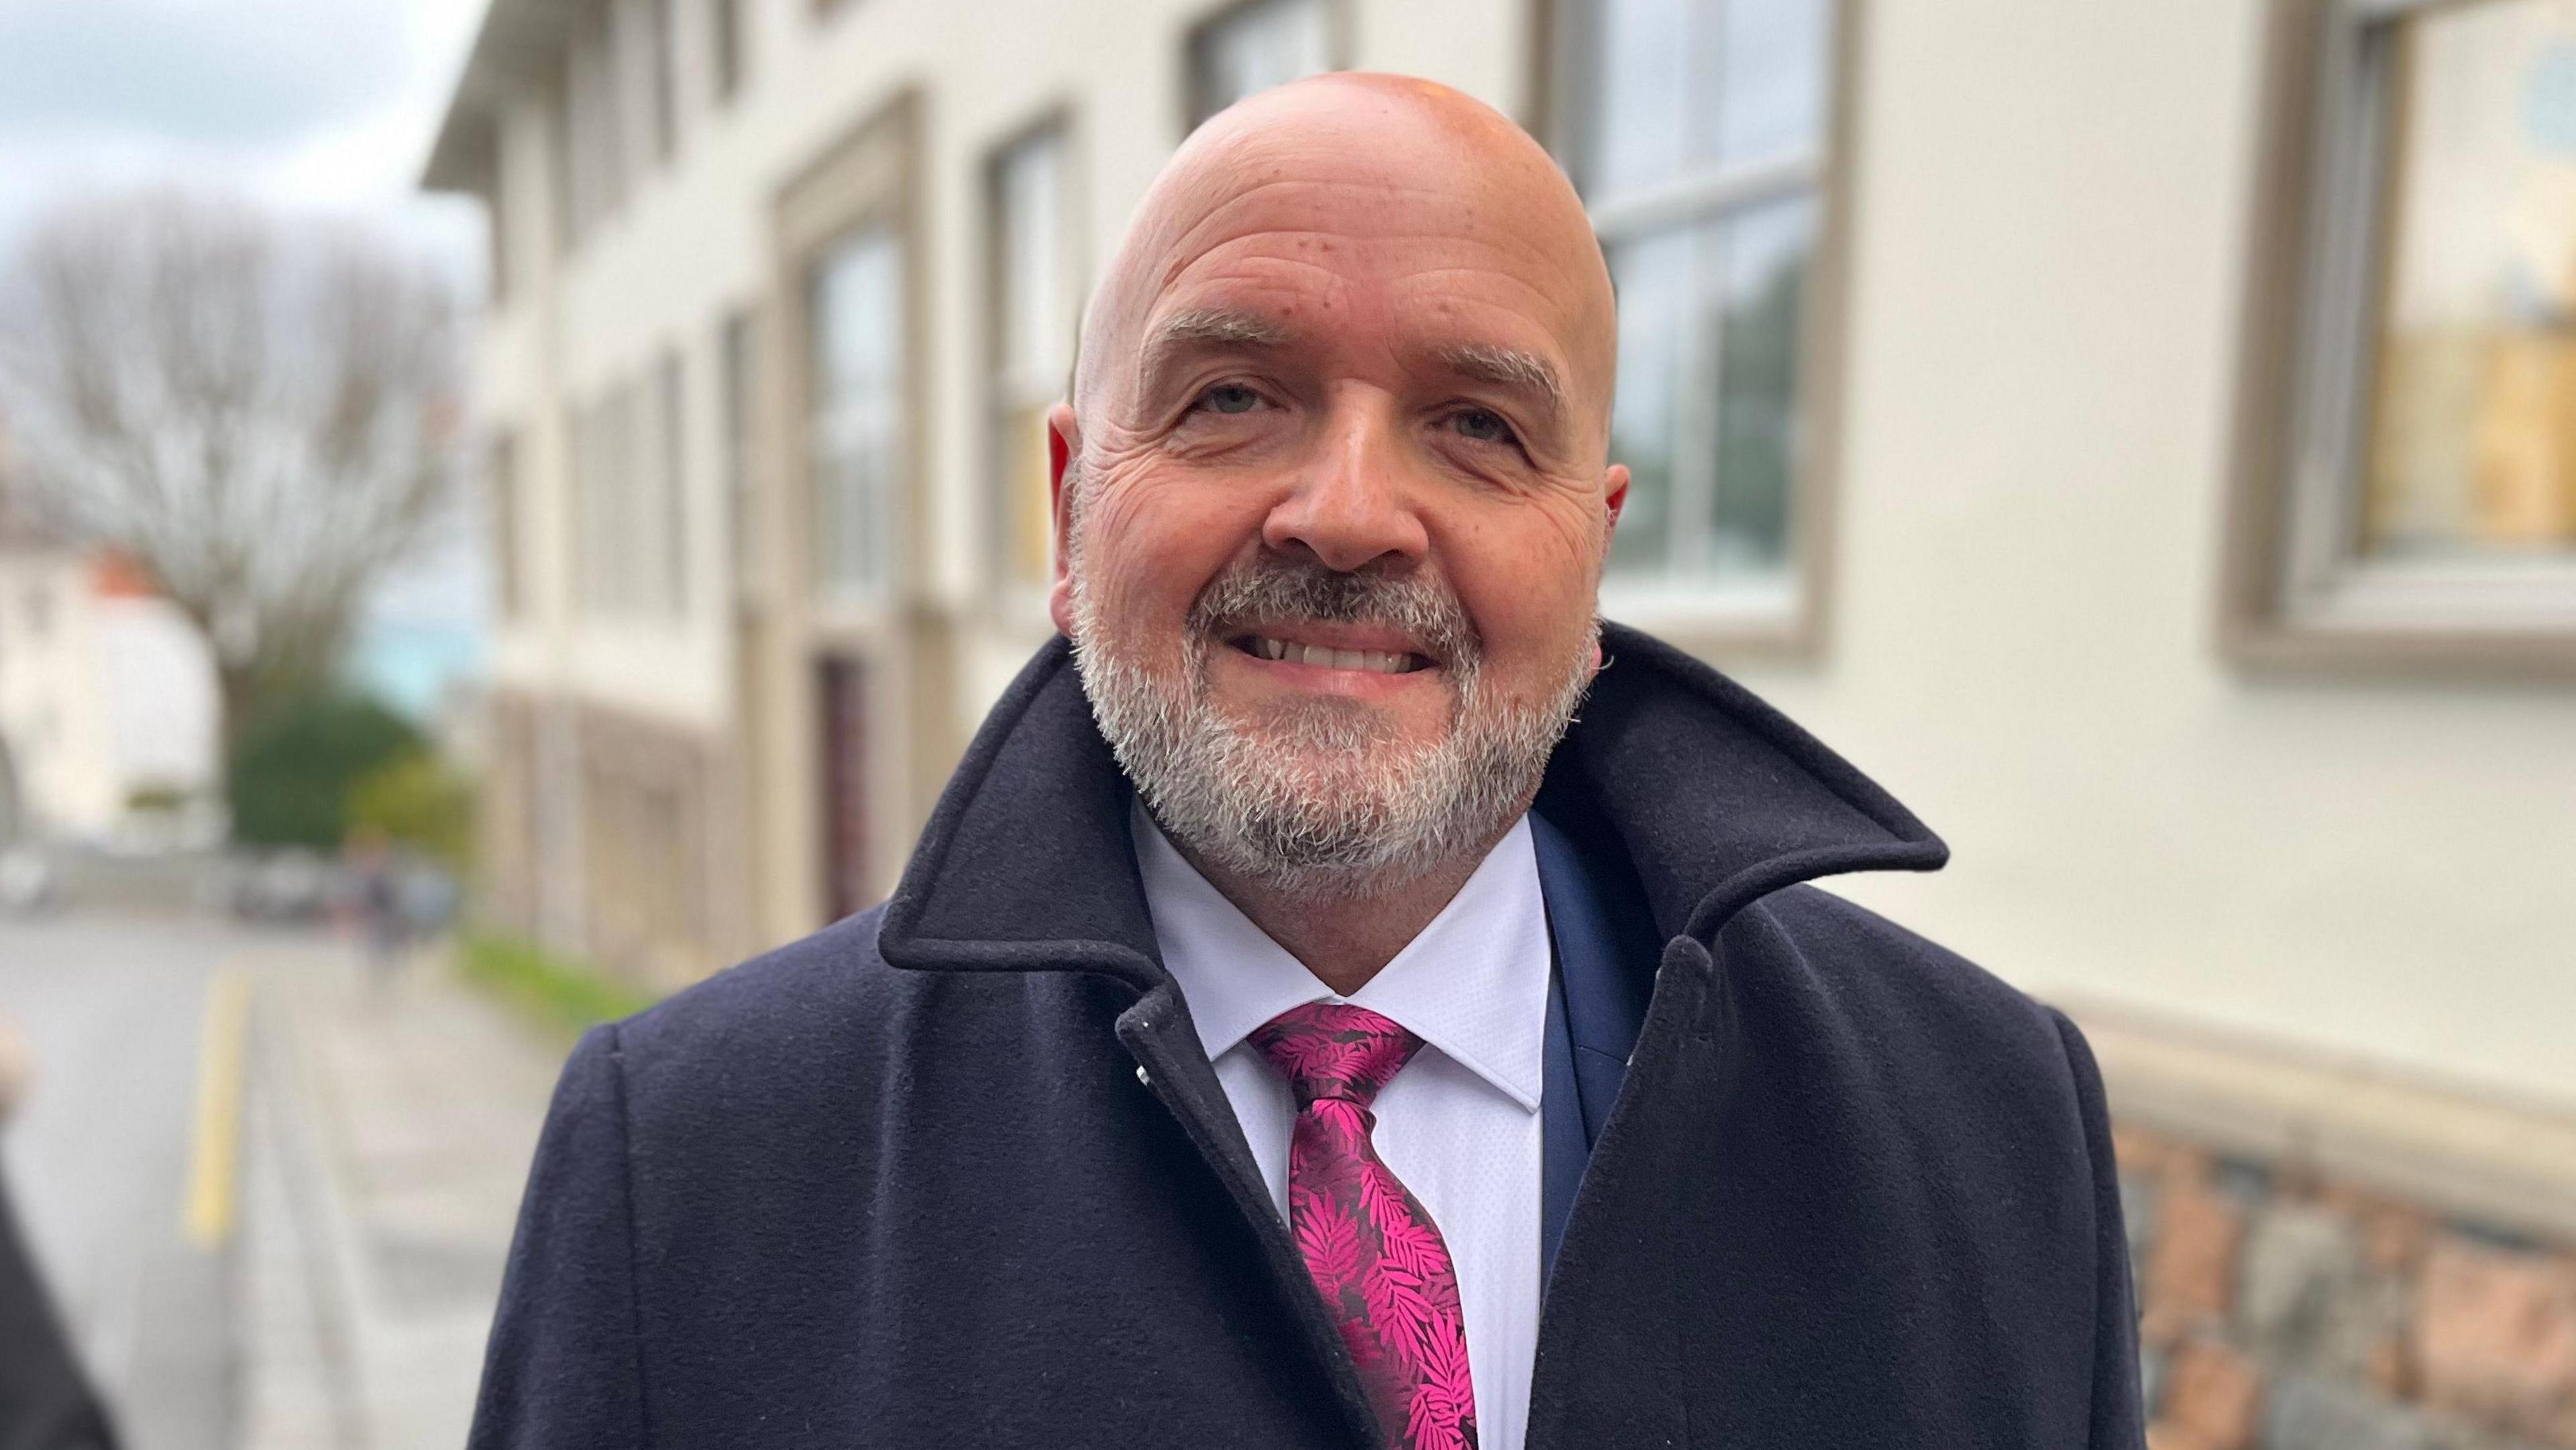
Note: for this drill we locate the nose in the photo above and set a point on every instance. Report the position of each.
(1352, 505)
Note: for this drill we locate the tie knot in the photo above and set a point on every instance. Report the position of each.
(1335, 1050)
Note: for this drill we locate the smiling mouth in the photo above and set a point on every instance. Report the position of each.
(1289, 651)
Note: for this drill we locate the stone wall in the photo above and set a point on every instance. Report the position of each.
(2284, 1311)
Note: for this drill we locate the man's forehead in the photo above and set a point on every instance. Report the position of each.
(1461, 232)
(1321, 201)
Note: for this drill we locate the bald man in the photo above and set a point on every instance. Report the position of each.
(1348, 996)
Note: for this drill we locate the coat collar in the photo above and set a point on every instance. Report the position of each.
(1715, 798)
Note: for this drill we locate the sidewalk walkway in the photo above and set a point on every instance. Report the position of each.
(388, 1135)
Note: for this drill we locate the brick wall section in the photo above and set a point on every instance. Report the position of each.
(2279, 1312)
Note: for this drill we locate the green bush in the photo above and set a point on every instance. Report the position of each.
(294, 766)
(561, 996)
(157, 798)
(414, 800)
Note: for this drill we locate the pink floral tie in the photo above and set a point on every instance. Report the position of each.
(1375, 1254)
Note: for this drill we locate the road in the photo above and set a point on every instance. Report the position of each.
(273, 1193)
(100, 1159)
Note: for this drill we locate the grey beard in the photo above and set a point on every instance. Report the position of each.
(1312, 800)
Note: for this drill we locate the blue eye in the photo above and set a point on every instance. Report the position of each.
(1230, 398)
(1482, 425)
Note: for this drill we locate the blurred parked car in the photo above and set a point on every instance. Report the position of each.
(28, 883)
(290, 886)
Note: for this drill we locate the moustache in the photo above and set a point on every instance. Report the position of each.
(1268, 589)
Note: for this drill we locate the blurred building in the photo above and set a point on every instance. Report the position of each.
(107, 699)
(2142, 435)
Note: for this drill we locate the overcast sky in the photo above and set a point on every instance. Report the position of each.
(328, 105)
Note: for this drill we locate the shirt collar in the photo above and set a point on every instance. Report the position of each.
(1473, 984)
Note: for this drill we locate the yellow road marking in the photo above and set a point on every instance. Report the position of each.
(214, 1158)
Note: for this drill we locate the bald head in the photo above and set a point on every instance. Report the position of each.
(1331, 553)
(1324, 173)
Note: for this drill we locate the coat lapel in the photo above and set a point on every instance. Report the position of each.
(1027, 865)
(1674, 779)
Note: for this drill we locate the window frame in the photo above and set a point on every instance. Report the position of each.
(2293, 596)
(1714, 613)
(870, 178)
(1338, 29)
(873, 171)
(1004, 395)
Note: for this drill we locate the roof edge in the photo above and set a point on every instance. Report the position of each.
(517, 40)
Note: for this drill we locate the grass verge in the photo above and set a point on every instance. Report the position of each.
(558, 994)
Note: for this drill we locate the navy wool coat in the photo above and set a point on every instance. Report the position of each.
(956, 1171)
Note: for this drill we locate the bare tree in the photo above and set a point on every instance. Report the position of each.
(261, 413)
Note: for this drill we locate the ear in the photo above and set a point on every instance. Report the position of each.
(1064, 440)
(1615, 497)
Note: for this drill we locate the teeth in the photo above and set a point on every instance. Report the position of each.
(1377, 661)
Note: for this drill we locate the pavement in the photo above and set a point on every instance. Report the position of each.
(274, 1194)
(389, 1129)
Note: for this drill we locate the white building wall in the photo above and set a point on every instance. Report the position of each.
(49, 700)
(2053, 221)
(100, 695)
(2052, 208)
(157, 696)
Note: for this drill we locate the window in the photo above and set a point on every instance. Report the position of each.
(627, 480)
(499, 244)
(638, 55)
(1254, 46)
(594, 126)
(559, 161)
(740, 347)
(1699, 132)
(602, 468)
(1036, 293)
(856, 432)
(508, 569)
(660, 42)
(669, 559)
(2422, 491)
(728, 45)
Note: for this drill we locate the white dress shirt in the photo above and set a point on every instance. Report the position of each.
(1460, 1125)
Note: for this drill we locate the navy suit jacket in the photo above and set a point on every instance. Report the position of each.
(1605, 948)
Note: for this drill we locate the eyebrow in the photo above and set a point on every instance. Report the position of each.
(1217, 324)
(1175, 336)
(1508, 367)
